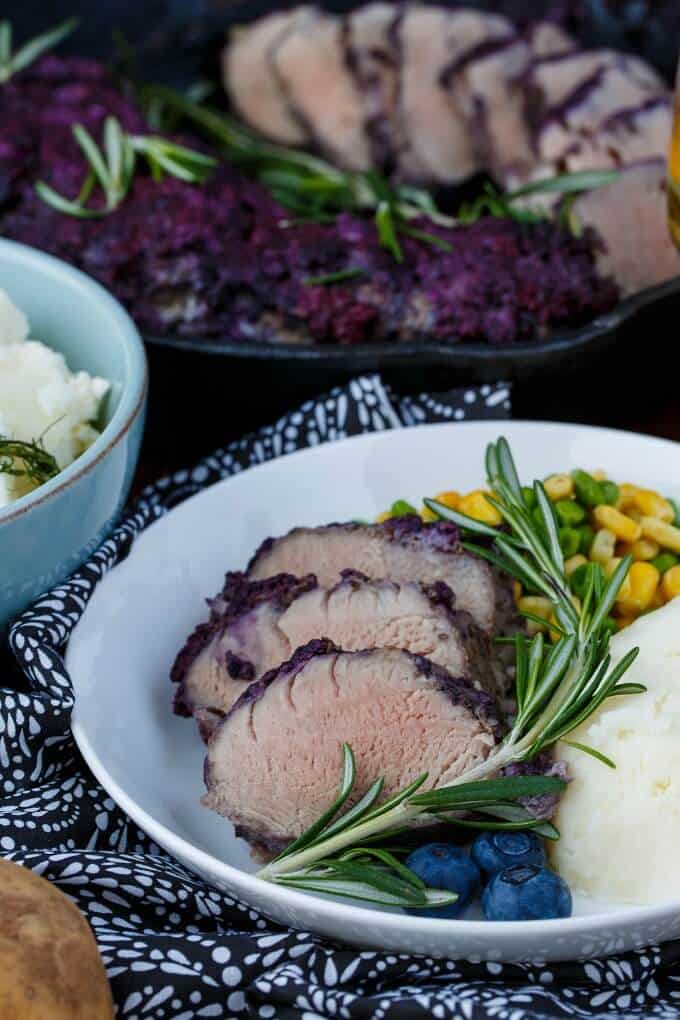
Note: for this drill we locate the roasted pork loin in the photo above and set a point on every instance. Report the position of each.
(273, 763)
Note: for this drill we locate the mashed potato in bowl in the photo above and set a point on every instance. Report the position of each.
(41, 399)
(621, 828)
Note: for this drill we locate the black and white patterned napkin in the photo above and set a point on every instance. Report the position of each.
(174, 947)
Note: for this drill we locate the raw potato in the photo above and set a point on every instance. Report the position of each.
(50, 968)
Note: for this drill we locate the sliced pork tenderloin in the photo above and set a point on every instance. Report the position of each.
(628, 136)
(402, 549)
(251, 84)
(373, 57)
(258, 631)
(273, 764)
(606, 93)
(487, 88)
(550, 82)
(548, 39)
(438, 143)
(238, 642)
(630, 215)
(309, 63)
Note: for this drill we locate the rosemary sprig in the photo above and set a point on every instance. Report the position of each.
(27, 460)
(558, 687)
(336, 854)
(112, 168)
(306, 184)
(11, 63)
(492, 202)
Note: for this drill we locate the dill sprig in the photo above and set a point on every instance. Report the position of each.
(112, 168)
(558, 687)
(27, 460)
(12, 62)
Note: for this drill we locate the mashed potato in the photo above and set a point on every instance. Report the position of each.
(40, 398)
(621, 829)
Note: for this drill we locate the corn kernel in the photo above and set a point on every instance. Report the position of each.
(427, 515)
(634, 513)
(538, 606)
(516, 591)
(659, 599)
(559, 487)
(599, 475)
(626, 496)
(450, 499)
(666, 535)
(643, 549)
(386, 516)
(670, 585)
(573, 563)
(639, 588)
(603, 547)
(651, 504)
(616, 522)
(609, 567)
(476, 505)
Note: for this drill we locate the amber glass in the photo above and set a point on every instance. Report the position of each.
(674, 170)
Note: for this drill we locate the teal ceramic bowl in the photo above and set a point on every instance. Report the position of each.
(47, 534)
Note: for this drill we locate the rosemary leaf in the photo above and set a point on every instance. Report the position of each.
(30, 51)
(338, 277)
(387, 233)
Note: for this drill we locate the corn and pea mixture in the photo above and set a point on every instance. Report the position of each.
(599, 521)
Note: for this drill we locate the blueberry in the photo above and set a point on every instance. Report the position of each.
(444, 866)
(493, 851)
(526, 893)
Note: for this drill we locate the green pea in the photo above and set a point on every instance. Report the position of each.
(664, 562)
(587, 539)
(570, 541)
(610, 491)
(588, 490)
(569, 512)
(401, 508)
(578, 580)
(529, 496)
(609, 624)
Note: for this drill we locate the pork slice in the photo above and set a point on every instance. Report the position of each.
(438, 142)
(251, 83)
(402, 549)
(273, 764)
(630, 215)
(628, 136)
(373, 57)
(488, 90)
(257, 632)
(310, 66)
(550, 82)
(608, 92)
(238, 642)
(547, 39)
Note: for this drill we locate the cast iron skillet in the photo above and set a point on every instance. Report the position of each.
(208, 391)
(580, 374)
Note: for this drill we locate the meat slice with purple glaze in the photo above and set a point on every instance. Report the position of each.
(251, 83)
(309, 63)
(631, 217)
(627, 136)
(439, 146)
(373, 57)
(263, 622)
(402, 549)
(273, 764)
